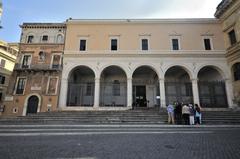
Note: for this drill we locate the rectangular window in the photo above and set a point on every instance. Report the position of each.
(45, 38)
(89, 89)
(232, 37)
(56, 61)
(52, 85)
(83, 45)
(175, 44)
(207, 44)
(20, 85)
(144, 44)
(114, 44)
(116, 88)
(2, 63)
(2, 79)
(26, 61)
(30, 39)
(1, 96)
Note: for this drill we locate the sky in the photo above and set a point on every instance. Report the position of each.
(15, 12)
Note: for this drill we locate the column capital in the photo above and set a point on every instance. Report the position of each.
(194, 79)
(161, 79)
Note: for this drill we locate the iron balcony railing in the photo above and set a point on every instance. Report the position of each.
(38, 67)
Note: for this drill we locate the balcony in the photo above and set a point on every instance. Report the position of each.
(37, 67)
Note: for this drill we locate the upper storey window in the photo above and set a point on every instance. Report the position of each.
(114, 44)
(232, 37)
(175, 44)
(207, 44)
(44, 38)
(59, 38)
(26, 61)
(30, 39)
(2, 63)
(236, 71)
(145, 44)
(83, 45)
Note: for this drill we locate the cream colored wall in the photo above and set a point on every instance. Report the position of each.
(98, 35)
(9, 65)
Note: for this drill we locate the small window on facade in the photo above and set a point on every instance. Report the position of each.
(2, 79)
(26, 61)
(207, 44)
(1, 96)
(144, 44)
(30, 39)
(83, 44)
(56, 61)
(236, 71)
(2, 63)
(114, 44)
(42, 56)
(232, 37)
(116, 88)
(20, 85)
(45, 38)
(52, 85)
(175, 44)
(59, 38)
(89, 89)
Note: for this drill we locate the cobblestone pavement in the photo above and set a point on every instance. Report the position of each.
(123, 142)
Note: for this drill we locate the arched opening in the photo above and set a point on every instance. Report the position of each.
(59, 38)
(145, 87)
(81, 87)
(113, 87)
(211, 86)
(32, 105)
(178, 86)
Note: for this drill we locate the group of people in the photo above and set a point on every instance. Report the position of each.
(187, 114)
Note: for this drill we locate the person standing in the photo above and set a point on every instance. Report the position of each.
(178, 113)
(185, 114)
(170, 110)
(198, 114)
(192, 114)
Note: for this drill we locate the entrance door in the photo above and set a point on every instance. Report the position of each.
(141, 96)
(32, 105)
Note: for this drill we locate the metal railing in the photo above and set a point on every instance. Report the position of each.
(37, 67)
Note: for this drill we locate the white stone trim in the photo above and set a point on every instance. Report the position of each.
(211, 42)
(79, 42)
(56, 86)
(141, 37)
(16, 84)
(30, 61)
(26, 103)
(179, 41)
(112, 37)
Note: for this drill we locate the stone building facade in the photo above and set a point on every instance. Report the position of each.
(37, 73)
(119, 64)
(228, 12)
(8, 56)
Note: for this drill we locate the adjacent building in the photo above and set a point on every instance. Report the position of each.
(8, 56)
(228, 12)
(120, 64)
(37, 73)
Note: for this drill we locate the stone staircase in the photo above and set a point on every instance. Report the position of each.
(147, 116)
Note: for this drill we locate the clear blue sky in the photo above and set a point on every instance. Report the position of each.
(15, 12)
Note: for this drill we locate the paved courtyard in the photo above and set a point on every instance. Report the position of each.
(119, 142)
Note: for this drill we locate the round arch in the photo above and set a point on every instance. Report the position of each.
(26, 103)
(152, 67)
(184, 67)
(72, 69)
(113, 87)
(215, 67)
(122, 67)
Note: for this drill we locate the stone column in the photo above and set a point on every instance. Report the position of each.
(63, 93)
(195, 91)
(229, 92)
(162, 93)
(96, 92)
(129, 93)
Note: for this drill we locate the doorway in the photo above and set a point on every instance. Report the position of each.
(140, 96)
(32, 106)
